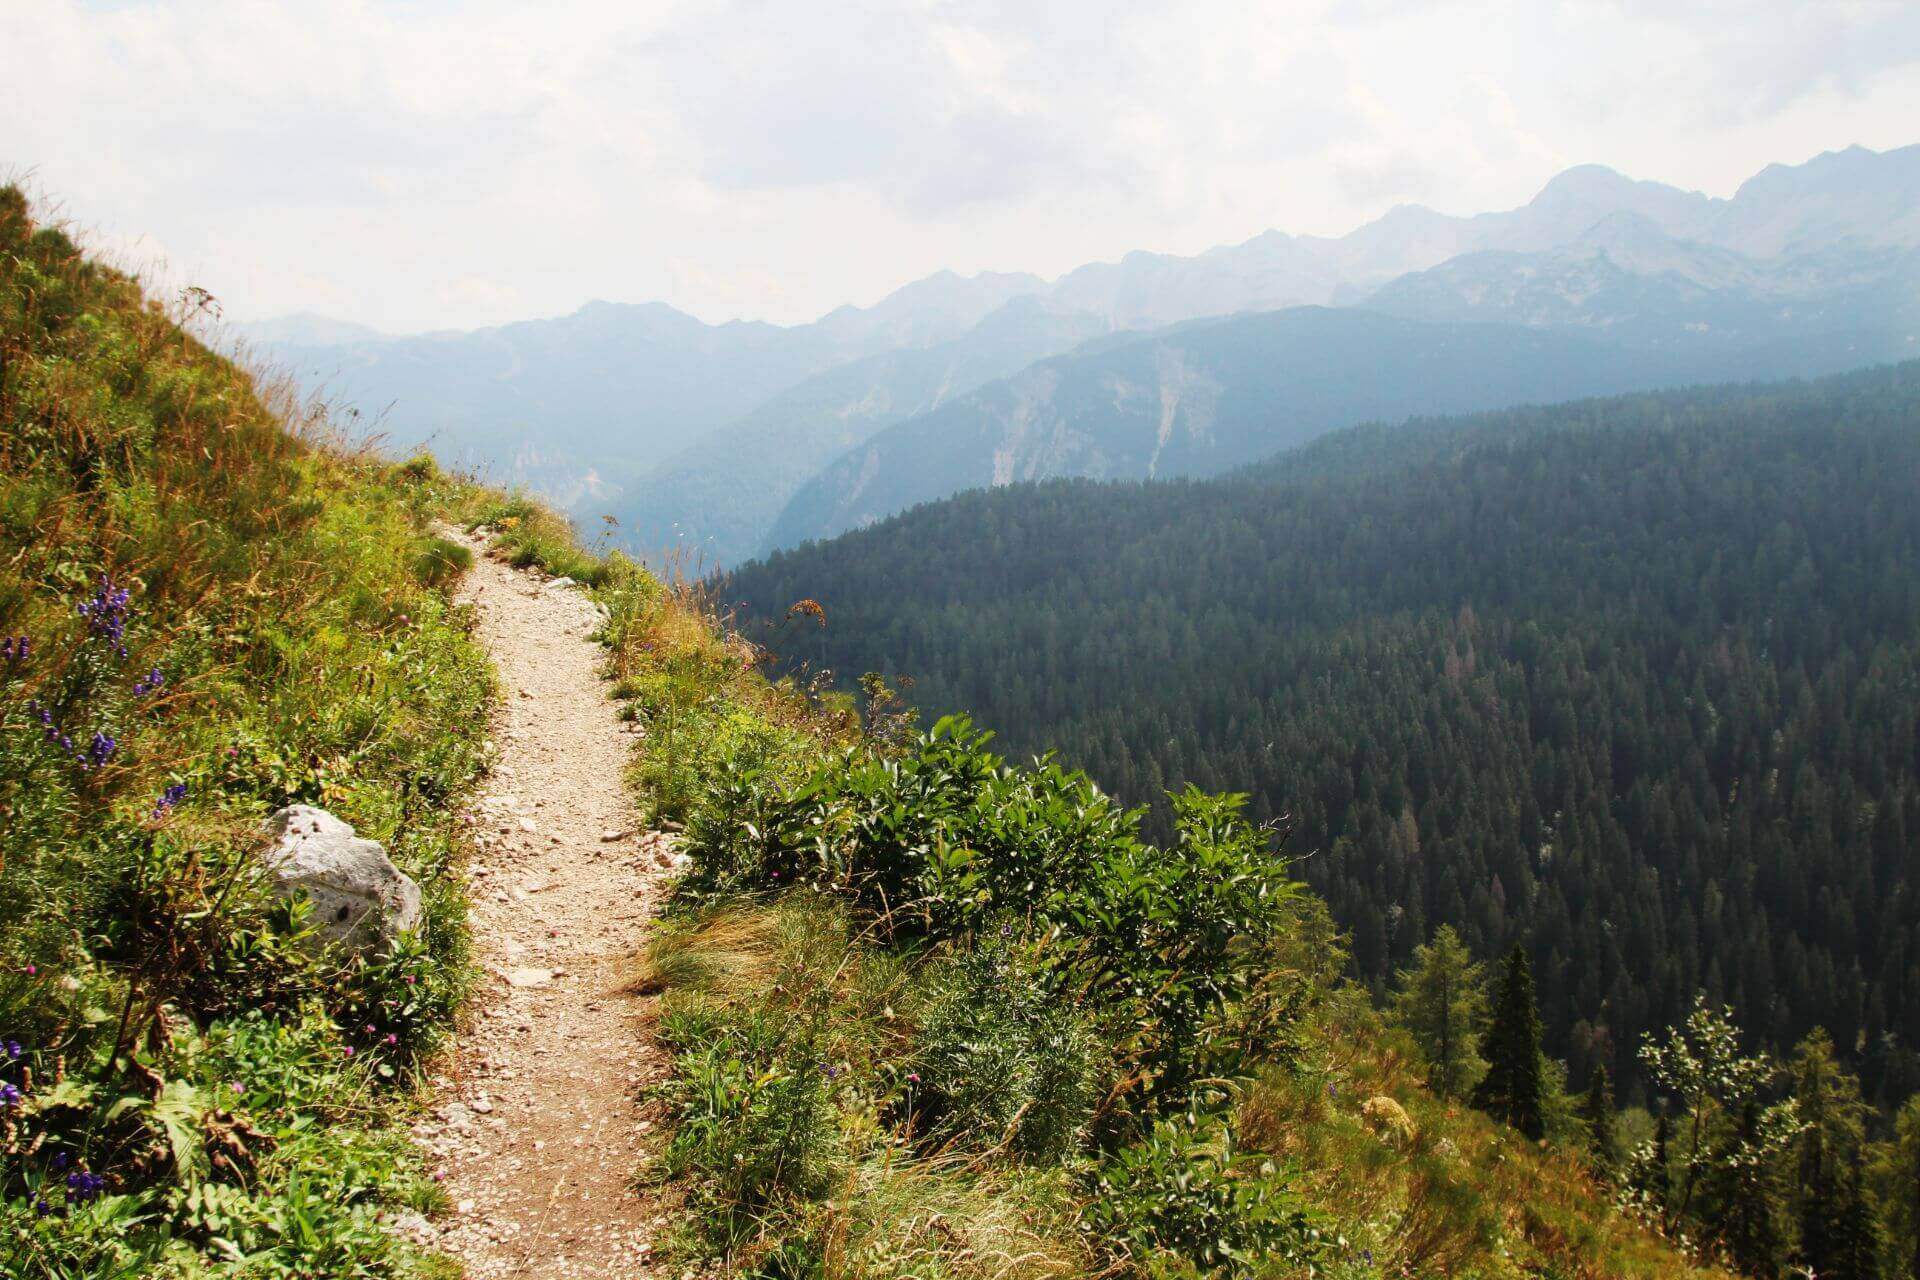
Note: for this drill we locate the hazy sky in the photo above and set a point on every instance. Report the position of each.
(427, 163)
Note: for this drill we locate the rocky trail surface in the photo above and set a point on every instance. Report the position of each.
(537, 1129)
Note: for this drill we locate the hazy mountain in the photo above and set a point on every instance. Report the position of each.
(304, 329)
(717, 500)
(939, 308)
(599, 391)
(1192, 402)
(667, 421)
(1858, 197)
(1628, 280)
(1204, 398)
(1671, 282)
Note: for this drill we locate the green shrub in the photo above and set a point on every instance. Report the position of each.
(1002, 1063)
(753, 1100)
(1183, 1200)
(946, 841)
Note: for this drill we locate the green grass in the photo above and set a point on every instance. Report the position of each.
(232, 1087)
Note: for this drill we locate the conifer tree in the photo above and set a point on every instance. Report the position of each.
(1819, 1203)
(1834, 1118)
(1512, 1090)
(1597, 1110)
(1442, 1001)
(1856, 1245)
(1749, 1222)
(1894, 1178)
(1659, 1180)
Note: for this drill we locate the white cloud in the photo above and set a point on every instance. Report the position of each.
(439, 164)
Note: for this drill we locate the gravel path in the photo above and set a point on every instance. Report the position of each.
(538, 1131)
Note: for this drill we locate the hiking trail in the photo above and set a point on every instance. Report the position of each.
(535, 1127)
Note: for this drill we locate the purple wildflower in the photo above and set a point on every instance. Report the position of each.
(172, 796)
(106, 614)
(15, 649)
(83, 1186)
(14, 1051)
(150, 683)
(59, 1161)
(100, 750)
(9, 1094)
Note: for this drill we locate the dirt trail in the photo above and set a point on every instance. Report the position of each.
(537, 1131)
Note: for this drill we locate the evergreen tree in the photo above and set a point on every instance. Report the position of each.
(1894, 1179)
(1512, 1089)
(1834, 1118)
(1598, 1112)
(1442, 1001)
(1750, 1206)
(1658, 1182)
(1819, 1204)
(1856, 1245)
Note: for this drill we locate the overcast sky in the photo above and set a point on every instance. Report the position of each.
(433, 164)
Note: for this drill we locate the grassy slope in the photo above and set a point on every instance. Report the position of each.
(192, 1090)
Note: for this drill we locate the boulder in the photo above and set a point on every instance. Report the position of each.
(360, 899)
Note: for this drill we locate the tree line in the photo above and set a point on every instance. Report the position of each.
(1632, 683)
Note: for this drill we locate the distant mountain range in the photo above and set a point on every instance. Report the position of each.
(725, 440)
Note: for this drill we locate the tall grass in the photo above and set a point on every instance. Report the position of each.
(210, 609)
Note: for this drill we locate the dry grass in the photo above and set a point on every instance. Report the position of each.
(1460, 1194)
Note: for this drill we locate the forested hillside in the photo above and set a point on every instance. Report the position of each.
(1634, 681)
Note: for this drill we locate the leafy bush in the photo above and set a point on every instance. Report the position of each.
(1183, 1199)
(1165, 946)
(753, 1099)
(1001, 1064)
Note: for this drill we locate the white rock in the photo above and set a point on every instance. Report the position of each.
(359, 897)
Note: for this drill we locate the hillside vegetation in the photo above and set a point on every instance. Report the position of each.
(933, 1014)
(207, 614)
(1632, 681)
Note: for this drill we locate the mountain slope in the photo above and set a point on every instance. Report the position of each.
(1209, 397)
(1629, 282)
(717, 500)
(563, 404)
(1634, 681)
